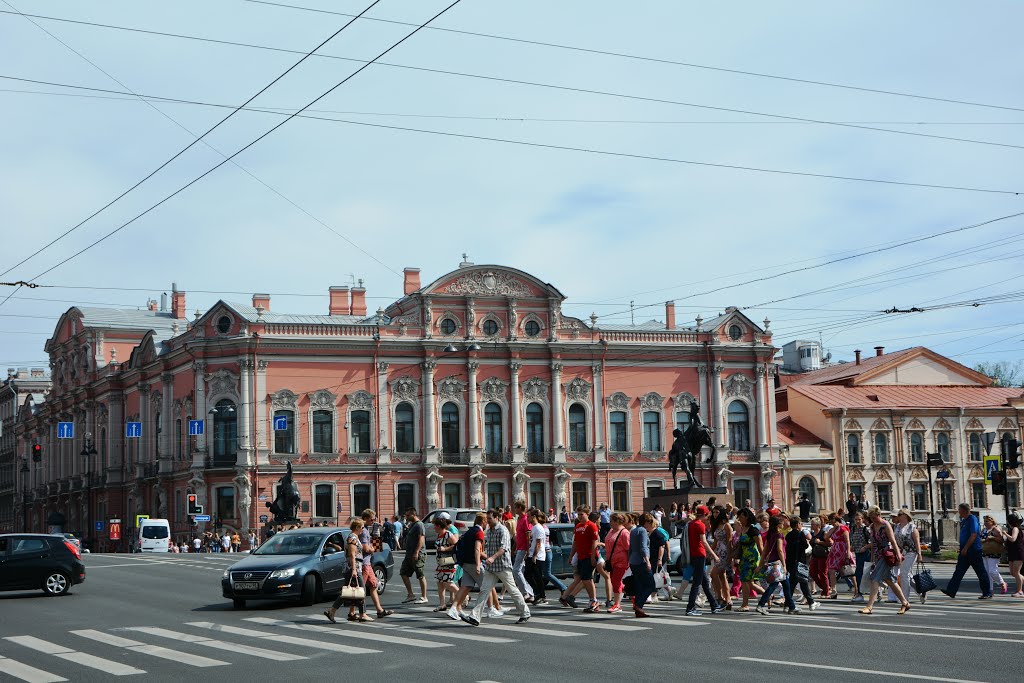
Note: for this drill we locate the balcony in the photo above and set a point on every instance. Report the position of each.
(454, 458)
(64, 486)
(498, 458)
(76, 483)
(542, 458)
(150, 470)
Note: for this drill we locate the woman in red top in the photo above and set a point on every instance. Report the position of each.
(616, 545)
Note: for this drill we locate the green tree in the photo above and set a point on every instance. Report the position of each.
(1005, 373)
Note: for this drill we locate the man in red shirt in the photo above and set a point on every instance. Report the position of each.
(700, 551)
(522, 545)
(772, 509)
(584, 549)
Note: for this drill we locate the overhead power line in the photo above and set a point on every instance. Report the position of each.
(603, 93)
(672, 62)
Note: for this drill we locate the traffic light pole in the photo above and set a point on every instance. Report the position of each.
(931, 502)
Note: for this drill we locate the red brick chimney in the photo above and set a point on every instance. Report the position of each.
(670, 315)
(856, 355)
(359, 301)
(339, 301)
(177, 302)
(412, 280)
(261, 301)
(879, 350)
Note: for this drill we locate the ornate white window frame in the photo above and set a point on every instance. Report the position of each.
(284, 399)
(504, 492)
(405, 389)
(619, 402)
(490, 315)
(495, 390)
(537, 319)
(580, 392)
(653, 402)
(449, 315)
(749, 404)
(415, 496)
(451, 390)
(360, 400)
(352, 495)
(322, 400)
(537, 390)
(588, 486)
(334, 499)
(629, 492)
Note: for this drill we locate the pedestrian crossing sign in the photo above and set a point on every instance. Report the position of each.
(992, 464)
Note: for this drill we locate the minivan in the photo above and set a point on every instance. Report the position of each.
(154, 536)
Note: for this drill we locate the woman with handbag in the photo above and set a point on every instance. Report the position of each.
(721, 532)
(748, 550)
(774, 564)
(992, 550)
(617, 543)
(885, 561)
(796, 561)
(909, 541)
(819, 555)
(445, 549)
(860, 543)
(840, 561)
(353, 592)
(1014, 542)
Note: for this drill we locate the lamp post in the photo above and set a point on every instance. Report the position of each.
(933, 460)
(89, 450)
(24, 493)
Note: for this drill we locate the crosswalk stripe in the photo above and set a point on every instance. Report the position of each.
(278, 638)
(147, 649)
(26, 672)
(507, 627)
(67, 654)
(476, 638)
(220, 644)
(595, 623)
(347, 633)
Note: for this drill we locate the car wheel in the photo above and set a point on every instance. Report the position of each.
(309, 590)
(382, 578)
(239, 603)
(57, 583)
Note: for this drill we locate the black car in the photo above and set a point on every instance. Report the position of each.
(298, 564)
(45, 561)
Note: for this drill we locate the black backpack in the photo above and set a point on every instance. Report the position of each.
(465, 547)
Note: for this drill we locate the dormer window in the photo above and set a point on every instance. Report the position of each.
(532, 328)
(490, 327)
(223, 324)
(735, 332)
(448, 326)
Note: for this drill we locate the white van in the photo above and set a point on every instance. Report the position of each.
(154, 536)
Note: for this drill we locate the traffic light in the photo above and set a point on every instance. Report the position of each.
(194, 508)
(37, 453)
(999, 483)
(1012, 454)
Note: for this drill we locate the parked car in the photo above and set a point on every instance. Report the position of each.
(298, 565)
(462, 517)
(44, 561)
(561, 551)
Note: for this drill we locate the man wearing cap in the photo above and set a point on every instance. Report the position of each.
(700, 551)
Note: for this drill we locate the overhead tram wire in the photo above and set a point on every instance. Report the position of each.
(234, 111)
(603, 93)
(657, 60)
(247, 146)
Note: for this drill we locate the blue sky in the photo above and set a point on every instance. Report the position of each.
(605, 230)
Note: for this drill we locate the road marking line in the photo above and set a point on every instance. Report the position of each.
(220, 644)
(278, 638)
(430, 632)
(26, 672)
(67, 654)
(872, 629)
(345, 633)
(507, 627)
(586, 623)
(147, 649)
(845, 669)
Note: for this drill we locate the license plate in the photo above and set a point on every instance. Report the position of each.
(247, 586)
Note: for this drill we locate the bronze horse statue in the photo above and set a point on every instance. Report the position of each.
(687, 446)
(285, 507)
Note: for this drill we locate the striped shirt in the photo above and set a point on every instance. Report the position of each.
(495, 539)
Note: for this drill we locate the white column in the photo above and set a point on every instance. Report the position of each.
(762, 407)
(717, 413)
(382, 406)
(148, 428)
(244, 411)
(702, 373)
(598, 407)
(260, 398)
(166, 445)
(428, 404)
(200, 409)
(557, 437)
(474, 406)
(516, 435)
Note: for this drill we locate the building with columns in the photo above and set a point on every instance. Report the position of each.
(471, 391)
(22, 388)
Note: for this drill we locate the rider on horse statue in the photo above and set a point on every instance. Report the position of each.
(687, 445)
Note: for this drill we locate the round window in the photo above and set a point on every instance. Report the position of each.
(448, 326)
(223, 324)
(490, 327)
(532, 328)
(735, 332)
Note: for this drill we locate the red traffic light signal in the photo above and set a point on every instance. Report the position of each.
(192, 501)
(37, 453)
(998, 483)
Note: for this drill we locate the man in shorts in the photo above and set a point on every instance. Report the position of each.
(584, 549)
(369, 578)
(415, 558)
(471, 570)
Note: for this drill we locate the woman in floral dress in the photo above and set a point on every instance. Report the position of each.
(839, 555)
(883, 544)
(721, 532)
(749, 550)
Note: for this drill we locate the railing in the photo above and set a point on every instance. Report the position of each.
(310, 330)
(150, 470)
(498, 458)
(220, 461)
(666, 337)
(454, 458)
(544, 458)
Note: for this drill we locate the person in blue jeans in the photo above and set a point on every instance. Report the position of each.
(970, 555)
(640, 563)
(700, 551)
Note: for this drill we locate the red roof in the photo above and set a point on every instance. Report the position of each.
(793, 434)
(904, 396)
(845, 371)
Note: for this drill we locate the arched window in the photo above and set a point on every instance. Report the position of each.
(284, 439)
(534, 429)
(974, 446)
(359, 430)
(450, 428)
(225, 431)
(942, 445)
(853, 448)
(808, 488)
(739, 427)
(652, 431)
(881, 448)
(492, 429)
(577, 428)
(916, 447)
(405, 441)
(323, 431)
(617, 431)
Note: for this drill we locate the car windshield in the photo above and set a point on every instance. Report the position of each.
(154, 532)
(290, 544)
(466, 516)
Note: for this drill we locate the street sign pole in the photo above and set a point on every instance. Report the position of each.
(931, 499)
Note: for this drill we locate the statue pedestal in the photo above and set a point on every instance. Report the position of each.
(476, 456)
(683, 496)
(600, 455)
(558, 454)
(431, 455)
(384, 456)
(518, 456)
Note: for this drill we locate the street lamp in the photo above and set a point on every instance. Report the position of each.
(452, 348)
(933, 460)
(89, 450)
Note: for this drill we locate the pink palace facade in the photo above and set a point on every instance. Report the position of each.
(472, 390)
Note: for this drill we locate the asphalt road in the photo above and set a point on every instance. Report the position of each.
(163, 618)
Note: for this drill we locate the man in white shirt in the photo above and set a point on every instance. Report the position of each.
(197, 544)
(225, 541)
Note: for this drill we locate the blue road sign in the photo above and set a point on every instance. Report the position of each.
(195, 427)
(942, 474)
(992, 464)
(65, 430)
(133, 430)
(202, 518)
(281, 423)
(99, 526)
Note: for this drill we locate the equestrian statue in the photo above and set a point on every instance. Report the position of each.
(285, 507)
(687, 446)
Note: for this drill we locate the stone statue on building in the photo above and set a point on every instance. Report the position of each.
(562, 478)
(433, 487)
(244, 497)
(766, 484)
(161, 501)
(476, 491)
(724, 476)
(285, 507)
(519, 479)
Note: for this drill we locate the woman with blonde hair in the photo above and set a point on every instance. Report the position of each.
(909, 540)
(353, 576)
(885, 561)
(992, 542)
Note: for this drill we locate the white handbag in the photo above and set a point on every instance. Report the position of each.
(353, 590)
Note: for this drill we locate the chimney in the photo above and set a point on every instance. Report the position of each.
(261, 301)
(670, 315)
(177, 302)
(339, 301)
(879, 350)
(163, 302)
(412, 280)
(856, 355)
(359, 300)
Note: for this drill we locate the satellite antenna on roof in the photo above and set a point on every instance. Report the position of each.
(352, 279)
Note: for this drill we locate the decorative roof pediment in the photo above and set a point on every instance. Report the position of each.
(222, 382)
(285, 398)
(405, 388)
(739, 385)
(1007, 423)
(493, 389)
(975, 424)
(491, 281)
(918, 473)
(854, 474)
(882, 474)
(853, 426)
(683, 400)
(360, 400)
(915, 425)
(976, 472)
(941, 425)
(880, 425)
(535, 389)
(578, 390)
(618, 401)
(652, 400)
(322, 400)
